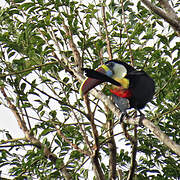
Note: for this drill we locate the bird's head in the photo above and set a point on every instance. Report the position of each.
(113, 72)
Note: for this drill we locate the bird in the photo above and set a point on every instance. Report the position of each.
(130, 88)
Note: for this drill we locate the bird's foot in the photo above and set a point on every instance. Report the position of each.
(123, 115)
(141, 118)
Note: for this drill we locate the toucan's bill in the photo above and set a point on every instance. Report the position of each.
(90, 83)
(102, 74)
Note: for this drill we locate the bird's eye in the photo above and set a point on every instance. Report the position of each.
(110, 65)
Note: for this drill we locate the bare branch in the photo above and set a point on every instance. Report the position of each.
(83, 131)
(12, 140)
(111, 144)
(112, 151)
(133, 156)
(93, 126)
(120, 174)
(72, 45)
(97, 168)
(95, 156)
(21, 122)
(133, 141)
(165, 5)
(16, 145)
(170, 17)
(157, 132)
(127, 135)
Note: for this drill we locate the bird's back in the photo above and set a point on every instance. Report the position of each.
(142, 87)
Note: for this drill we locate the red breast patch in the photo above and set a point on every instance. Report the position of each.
(124, 93)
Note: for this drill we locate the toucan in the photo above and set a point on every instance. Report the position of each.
(129, 88)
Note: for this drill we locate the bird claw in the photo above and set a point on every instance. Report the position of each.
(141, 118)
(123, 115)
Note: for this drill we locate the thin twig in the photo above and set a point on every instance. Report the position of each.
(16, 145)
(128, 38)
(12, 140)
(59, 101)
(27, 70)
(70, 143)
(91, 119)
(109, 50)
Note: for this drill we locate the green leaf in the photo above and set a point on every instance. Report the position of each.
(42, 113)
(65, 108)
(40, 108)
(53, 114)
(19, 1)
(163, 39)
(26, 105)
(46, 132)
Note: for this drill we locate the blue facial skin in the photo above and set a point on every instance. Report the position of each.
(109, 73)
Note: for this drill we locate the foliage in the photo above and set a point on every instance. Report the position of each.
(36, 62)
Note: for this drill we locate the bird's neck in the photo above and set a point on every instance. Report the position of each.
(121, 91)
(123, 81)
(124, 93)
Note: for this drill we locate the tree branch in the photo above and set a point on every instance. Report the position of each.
(133, 156)
(109, 50)
(112, 151)
(72, 45)
(170, 17)
(12, 140)
(16, 145)
(165, 4)
(128, 38)
(157, 132)
(111, 144)
(59, 101)
(133, 141)
(95, 156)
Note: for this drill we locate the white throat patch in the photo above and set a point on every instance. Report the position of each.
(119, 71)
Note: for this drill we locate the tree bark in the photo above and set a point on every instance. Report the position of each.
(169, 16)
